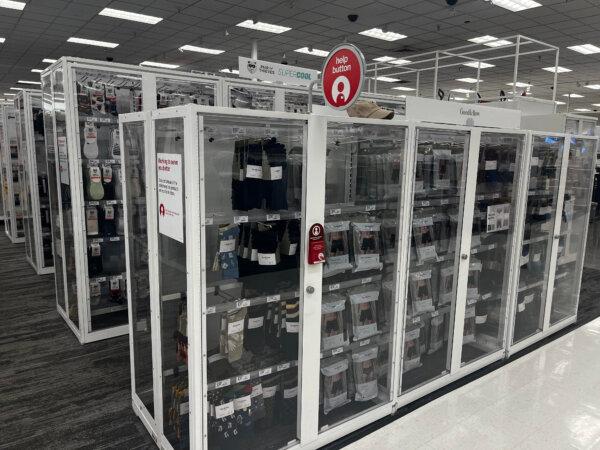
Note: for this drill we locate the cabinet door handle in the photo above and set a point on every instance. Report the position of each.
(464, 256)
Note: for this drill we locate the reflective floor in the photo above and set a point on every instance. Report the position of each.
(548, 399)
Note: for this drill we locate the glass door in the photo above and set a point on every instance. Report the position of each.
(538, 233)
(573, 227)
(364, 166)
(174, 92)
(251, 97)
(494, 215)
(252, 171)
(439, 190)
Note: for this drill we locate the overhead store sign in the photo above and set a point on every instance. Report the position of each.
(343, 76)
(268, 71)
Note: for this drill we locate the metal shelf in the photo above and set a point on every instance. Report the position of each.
(251, 375)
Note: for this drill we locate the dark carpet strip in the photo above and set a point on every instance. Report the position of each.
(58, 394)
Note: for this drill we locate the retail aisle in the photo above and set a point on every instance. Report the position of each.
(547, 399)
(55, 393)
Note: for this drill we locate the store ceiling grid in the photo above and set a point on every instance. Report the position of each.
(41, 31)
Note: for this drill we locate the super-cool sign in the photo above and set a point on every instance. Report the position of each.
(343, 76)
(268, 71)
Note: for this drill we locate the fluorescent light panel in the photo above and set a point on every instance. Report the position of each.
(388, 79)
(10, 93)
(378, 33)
(519, 84)
(126, 15)
(76, 40)
(483, 39)
(12, 4)
(2, 40)
(469, 80)
(573, 95)
(29, 82)
(559, 102)
(476, 64)
(462, 91)
(593, 86)
(403, 88)
(37, 70)
(557, 69)
(498, 43)
(593, 104)
(49, 60)
(585, 49)
(582, 109)
(158, 64)
(234, 71)
(460, 99)
(193, 48)
(516, 5)
(263, 26)
(15, 89)
(384, 59)
(315, 52)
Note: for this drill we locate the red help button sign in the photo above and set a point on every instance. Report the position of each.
(343, 76)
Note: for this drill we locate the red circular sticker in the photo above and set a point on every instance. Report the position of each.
(343, 76)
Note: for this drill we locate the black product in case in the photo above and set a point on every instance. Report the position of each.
(275, 175)
(108, 221)
(289, 397)
(94, 259)
(469, 330)
(436, 334)
(363, 304)
(365, 370)
(333, 325)
(335, 383)
(423, 235)
(107, 182)
(421, 292)
(91, 221)
(367, 252)
(337, 248)
(475, 267)
(442, 168)
(254, 339)
(412, 350)
(292, 329)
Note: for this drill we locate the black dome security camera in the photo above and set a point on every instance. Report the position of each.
(110, 58)
(451, 2)
(352, 17)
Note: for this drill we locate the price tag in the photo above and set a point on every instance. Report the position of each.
(337, 351)
(334, 287)
(364, 342)
(271, 217)
(486, 296)
(211, 310)
(94, 203)
(273, 298)
(241, 378)
(471, 301)
(444, 201)
(242, 303)
(100, 279)
(366, 280)
(111, 202)
(370, 207)
(283, 366)
(240, 219)
(114, 239)
(222, 383)
(425, 203)
(263, 372)
(335, 212)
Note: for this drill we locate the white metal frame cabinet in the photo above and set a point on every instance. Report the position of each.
(36, 206)
(11, 167)
(68, 111)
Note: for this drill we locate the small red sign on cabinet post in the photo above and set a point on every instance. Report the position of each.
(343, 76)
(316, 244)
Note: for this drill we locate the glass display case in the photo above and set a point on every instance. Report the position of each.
(11, 183)
(559, 187)
(34, 177)
(82, 101)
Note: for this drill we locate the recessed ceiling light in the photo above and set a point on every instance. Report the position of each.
(573, 95)
(388, 79)
(593, 86)
(49, 61)
(462, 91)
(126, 15)
(12, 4)
(460, 99)
(498, 43)
(77, 40)
(193, 48)
(403, 88)
(469, 80)
(558, 102)
(314, 51)
(557, 69)
(400, 62)
(516, 5)
(158, 64)
(378, 33)
(586, 49)
(476, 64)
(37, 70)
(15, 89)
(263, 26)
(2, 40)
(384, 59)
(483, 39)
(593, 104)
(29, 82)
(234, 71)
(519, 84)
(582, 109)
(10, 93)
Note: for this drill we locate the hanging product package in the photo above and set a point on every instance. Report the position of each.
(254, 339)
(423, 234)
(226, 259)
(442, 168)
(389, 229)
(333, 326)
(475, 267)
(412, 350)
(363, 303)
(335, 383)
(421, 292)
(232, 334)
(338, 253)
(446, 284)
(367, 254)
(365, 370)
(275, 175)
(436, 334)
(469, 330)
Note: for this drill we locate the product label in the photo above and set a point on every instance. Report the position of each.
(95, 175)
(256, 390)
(290, 393)
(276, 173)
(95, 249)
(224, 410)
(114, 284)
(254, 255)
(292, 327)
(292, 249)
(227, 246)
(107, 174)
(267, 259)
(491, 165)
(269, 392)
(235, 327)
(109, 213)
(521, 307)
(528, 299)
(242, 402)
(253, 171)
(94, 289)
(333, 341)
(255, 322)
(273, 298)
